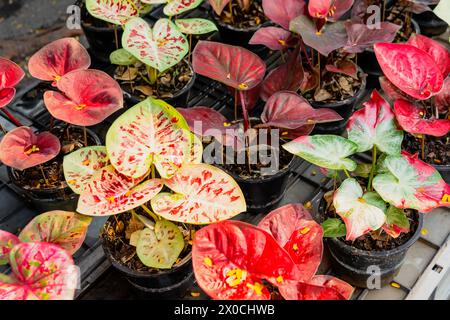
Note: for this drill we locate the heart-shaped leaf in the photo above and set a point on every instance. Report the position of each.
(374, 125)
(410, 69)
(81, 165)
(442, 99)
(346, 67)
(7, 242)
(203, 194)
(294, 229)
(411, 183)
(58, 59)
(10, 75)
(411, 119)
(151, 132)
(113, 11)
(88, 97)
(39, 271)
(122, 57)
(111, 193)
(288, 110)
(233, 66)
(205, 121)
(195, 26)
(361, 37)
(283, 11)
(392, 92)
(231, 259)
(21, 149)
(357, 211)
(439, 53)
(326, 151)
(65, 229)
(272, 37)
(328, 9)
(218, 5)
(161, 247)
(161, 47)
(333, 228)
(332, 38)
(396, 222)
(175, 7)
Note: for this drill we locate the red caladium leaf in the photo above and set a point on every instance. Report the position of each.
(39, 271)
(332, 38)
(272, 37)
(218, 5)
(65, 229)
(294, 229)
(410, 69)
(203, 194)
(411, 119)
(442, 99)
(22, 149)
(288, 76)
(57, 59)
(346, 67)
(361, 37)
(7, 242)
(439, 53)
(325, 10)
(10, 75)
(88, 97)
(318, 288)
(111, 193)
(283, 11)
(392, 92)
(231, 259)
(412, 183)
(233, 66)
(288, 110)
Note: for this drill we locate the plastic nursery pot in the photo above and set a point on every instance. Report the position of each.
(62, 198)
(180, 98)
(357, 266)
(430, 24)
(170, 284)
(345, 109)
(444, 171)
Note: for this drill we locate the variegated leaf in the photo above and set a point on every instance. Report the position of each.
(122, 57)
(396, 222)
(196, 150)
(7, 242)
(113, 11)
(195, 26)
(175, 7)
(203, 194)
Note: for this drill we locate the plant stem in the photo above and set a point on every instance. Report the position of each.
(302, 45)
(43, 174)
(423, 147)
(153, 172)
(244, 111)
(384, 11)
(283, 59)
(116, 37)
(320, 73)
(347, 174)
(190, 48)
(372, 170)
(152, 74)
(146, 209)
(235, 105)
(230, 5)
(12, 118)
(85, 137)
(3, 129)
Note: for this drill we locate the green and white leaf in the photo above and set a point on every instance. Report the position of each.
(333, 228)
(122, 57)
(113, 11)
(175, 7)
(397, 217)
(195, 26)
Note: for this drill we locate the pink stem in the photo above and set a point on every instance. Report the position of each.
(244, 111)
(12, 118)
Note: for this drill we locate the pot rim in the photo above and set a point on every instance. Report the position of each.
(232, 28)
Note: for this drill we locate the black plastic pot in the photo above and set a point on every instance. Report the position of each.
(430, 24)
(345, 109)
(444, 171)
(51, 199)
(159, 284)
(355, 265)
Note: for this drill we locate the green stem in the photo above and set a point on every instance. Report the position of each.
(372, 170)
(152, 74)
(347, 174)
(146, 209)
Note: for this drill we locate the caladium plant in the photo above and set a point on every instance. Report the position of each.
(117, 12)
(10, 75)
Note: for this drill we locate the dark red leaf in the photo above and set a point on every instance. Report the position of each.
(10, 75)
(204, 120)
(283, 11)
(392, 92)
(442, 100)
(272, 37)
(346, 67)
(361, 37)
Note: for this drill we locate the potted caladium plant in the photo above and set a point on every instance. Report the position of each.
(148, 236)
(10, 75)
(277, 259)
(371, 217)
(419, 86)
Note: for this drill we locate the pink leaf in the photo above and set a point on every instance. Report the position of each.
(411, 119)
(346, 67)
(283, 11)
(392, 92)
(233, 66)
(410, 69)
(10, 75)
(361, 37)
(394, 231)
(218, 5)
(442, 99)
(7, 242)
(22, 149)
(272, 37)
(328, 9)
(57, 59)
(88, 97)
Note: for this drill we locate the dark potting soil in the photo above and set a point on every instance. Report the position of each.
(400, 16)
(169, 82)
(437, 149)
(251, 18)
(116, 234)
(50, 176)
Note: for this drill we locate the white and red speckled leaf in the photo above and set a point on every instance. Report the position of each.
(411, 183)
(410, 69)
(65, 229)
(151, 132)
(361, 37)
(233, 66)
(411, 119)
(283, 11)
(87, 98)
(21, 148)
(161, 47)
(111, 193)
(39, 271)
(231, 259)
(438, 52)
(274, 38)
(202, 194)
(218, 5)
(175, 7)
(10, 75)
(195, 26)
(294, 229)
(114, 11)
(57, 59)
(81, 165)
(7, 242)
